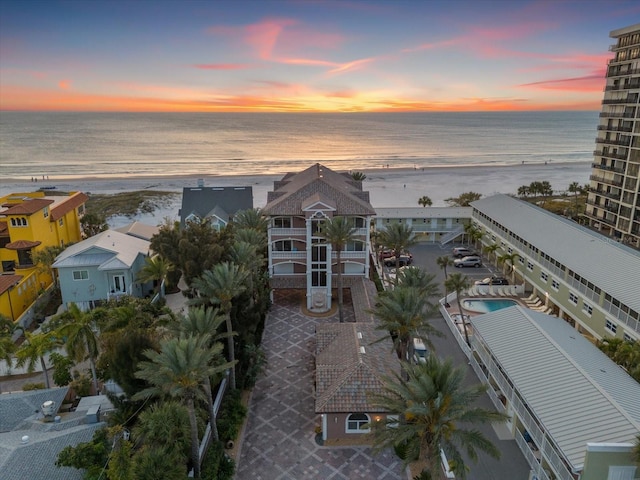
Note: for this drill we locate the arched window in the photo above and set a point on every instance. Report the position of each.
(358, 423)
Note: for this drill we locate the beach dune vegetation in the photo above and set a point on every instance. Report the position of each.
(425, 201)
(463, 200)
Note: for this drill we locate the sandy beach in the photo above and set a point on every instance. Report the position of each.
(388, 187)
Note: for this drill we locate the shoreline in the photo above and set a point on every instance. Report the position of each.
(387, 187)
(171, 178)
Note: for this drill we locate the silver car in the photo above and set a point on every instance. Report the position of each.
(470, 261)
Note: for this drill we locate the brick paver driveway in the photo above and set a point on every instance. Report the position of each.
(279, 440)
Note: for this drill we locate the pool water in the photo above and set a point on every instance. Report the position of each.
(487, 305)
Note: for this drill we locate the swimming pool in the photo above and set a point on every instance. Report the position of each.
(487, 305)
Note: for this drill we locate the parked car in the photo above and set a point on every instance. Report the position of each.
(386, 253)
(470, 261)
(460, 252)
(419, 351)
(404, 260)
(493, 281)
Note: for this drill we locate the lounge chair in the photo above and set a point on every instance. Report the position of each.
(513, 291)
(471, 292)
(503, 292)
(536, 304)
(530, 297)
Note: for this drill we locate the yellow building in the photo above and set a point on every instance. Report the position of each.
(30, 222)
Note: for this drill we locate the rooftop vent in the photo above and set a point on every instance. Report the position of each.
(362, 350)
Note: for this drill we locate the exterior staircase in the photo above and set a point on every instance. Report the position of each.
(451, 235)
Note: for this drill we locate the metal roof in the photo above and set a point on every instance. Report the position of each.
(577, 394)
(125, 247)
(601, 260)
(424, 212)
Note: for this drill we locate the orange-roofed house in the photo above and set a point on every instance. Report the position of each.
(30, 222)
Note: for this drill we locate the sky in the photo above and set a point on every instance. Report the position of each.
(313, 55)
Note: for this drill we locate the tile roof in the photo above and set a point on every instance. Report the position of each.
(576, 392)
(28, 206)
(350, 366)
(18, 406)
(295, 190)
(6, 282)
(22, 244)
(4, 227)
(67, 205)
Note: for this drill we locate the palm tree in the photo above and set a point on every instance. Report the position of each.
(221, 285)
(338, 231)
(81, 339)
(546, 191)
(458, 283)
(203, 323)
(524, 191)
(509, 259)
(157, 269)
(247, 256)
(251, 218)
(33, 349)
(251, 236)
(444, 262)
(434, 412)
(492, 249)
(397, 237)
(473, 233)
(7, 346)
(574, 187)
(403, 313)
(424, 282)
(425, 201)
(44, 260)
(358, 176)
(178, 370)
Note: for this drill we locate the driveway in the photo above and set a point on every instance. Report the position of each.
(279, 438)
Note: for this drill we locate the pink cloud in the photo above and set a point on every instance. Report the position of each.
(587, 83)
(221, 66)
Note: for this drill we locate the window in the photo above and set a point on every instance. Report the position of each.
(19, 222)
(573, 298)
(521, 260)
(282, 222)
(627, 337)
(555, 284)
(586, 308)
(46, 212)
(80, 275)
(612, 327)
(530, 266)
(283, 246)
(544, 276)
(358, 423)
(61, 222)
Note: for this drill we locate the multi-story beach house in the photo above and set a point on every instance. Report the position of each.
(30, 222)
(299, 257)
(586, 278)
(613, 205)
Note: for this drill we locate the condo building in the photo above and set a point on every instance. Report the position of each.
(613, 205)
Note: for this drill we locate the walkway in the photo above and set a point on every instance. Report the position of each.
(279, 440)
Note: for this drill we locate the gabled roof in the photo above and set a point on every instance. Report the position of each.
(200, 201)
(349, 366)
(123, 250)
(28, 207)
(67, 205)
(577, 393)
(295, 191)
(607, 264)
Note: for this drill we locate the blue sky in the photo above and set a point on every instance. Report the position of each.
(307, 55)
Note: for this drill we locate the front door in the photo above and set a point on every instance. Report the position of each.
(119, 284)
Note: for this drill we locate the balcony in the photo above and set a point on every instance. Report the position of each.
(608, 168)
(610, 141)
(614, 129)
(616, 115)
(289, 255)
(620, 101)
(619, 156)
(613, 196)
(289, 232)
(608, 181)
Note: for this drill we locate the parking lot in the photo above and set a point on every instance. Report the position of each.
(425, 256)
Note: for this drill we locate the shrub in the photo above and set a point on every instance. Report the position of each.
(231, 416)
(217, 463)
(33, 386)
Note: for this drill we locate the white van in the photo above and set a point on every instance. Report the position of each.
(419, 351)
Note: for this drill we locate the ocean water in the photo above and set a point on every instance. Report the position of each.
(112, 145)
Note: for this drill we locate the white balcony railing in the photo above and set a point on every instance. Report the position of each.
(295, 232)
(289, 255)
